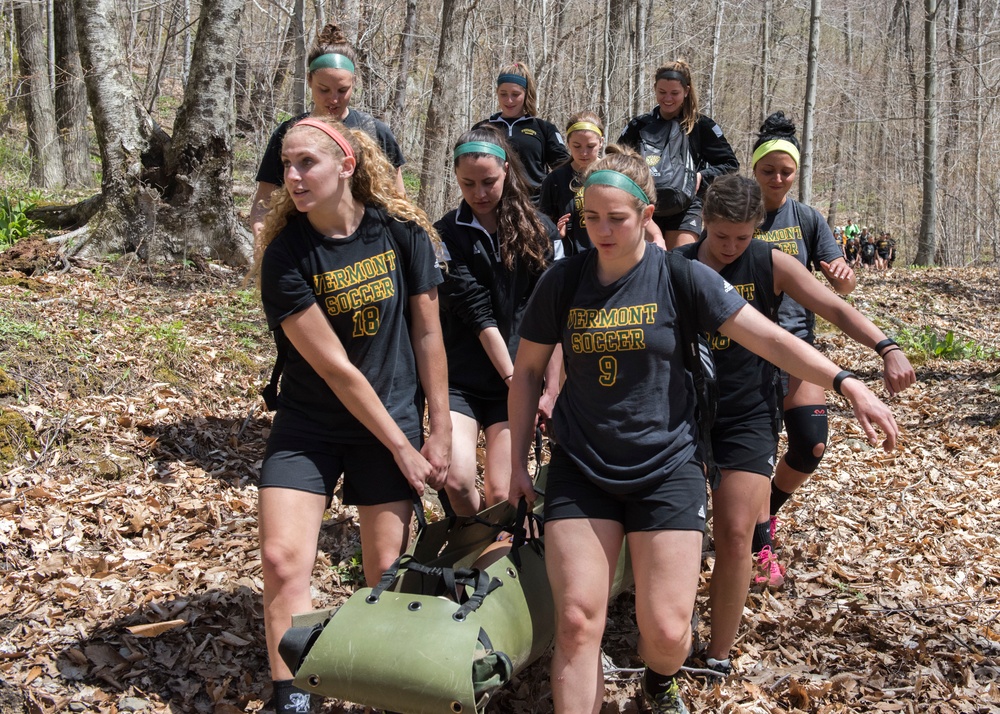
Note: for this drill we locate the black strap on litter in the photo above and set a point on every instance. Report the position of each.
(454, 582)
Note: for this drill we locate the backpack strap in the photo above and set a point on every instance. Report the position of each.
(270, 391)
(695, 350)
(571, 281)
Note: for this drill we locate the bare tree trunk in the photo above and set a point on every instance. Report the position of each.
(70, 99)
(765, 61)
(605, 98)
(441, 129)
(720, 11)
(927, 239)
(160, 197)
(642, 13)
(839, 170)
(43, 136)
(406, 42)
(812, 74)
(124, 214)
(298, 33)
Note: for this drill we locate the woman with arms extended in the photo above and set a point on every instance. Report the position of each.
(676, 118)
(498, 245)
(331, 80)
(799, 230)
(625, 464)
(343, 259)
(745, 432)
(536, 142)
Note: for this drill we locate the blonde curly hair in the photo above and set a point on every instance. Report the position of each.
(373, 184)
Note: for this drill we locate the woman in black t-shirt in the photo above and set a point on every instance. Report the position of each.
(625, 466)
(561, 194)
(497, 247)
(331, 80)
(342, 258)
(745, 433)
(536, 142)
(711, 154)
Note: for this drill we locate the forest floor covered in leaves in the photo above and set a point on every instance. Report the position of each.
(131, 433)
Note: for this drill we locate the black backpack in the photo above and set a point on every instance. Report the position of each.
(398, 239)
(664, 146)
(698, 358)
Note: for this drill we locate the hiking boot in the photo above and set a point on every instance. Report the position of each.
(668, 702)
(769, 571)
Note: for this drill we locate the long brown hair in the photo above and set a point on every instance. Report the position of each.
(520, 232)
(373, 184)
(689, 110)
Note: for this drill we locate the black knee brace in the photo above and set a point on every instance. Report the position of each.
(807, 428)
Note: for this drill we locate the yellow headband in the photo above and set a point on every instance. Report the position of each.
(775, 145)
(584, 126)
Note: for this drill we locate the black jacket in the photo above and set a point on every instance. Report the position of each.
(479, 292)
(712, 154)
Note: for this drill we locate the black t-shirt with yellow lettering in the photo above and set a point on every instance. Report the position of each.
(626, 412)
(745, 381)
(362, 284)
(800, 231)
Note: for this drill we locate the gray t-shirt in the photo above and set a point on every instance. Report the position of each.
(800, 231)
(626, 412)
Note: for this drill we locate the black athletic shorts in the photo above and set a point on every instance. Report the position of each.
(371, 476)
(676, 503)
(485, 411)
(690, 220)
(746, 445)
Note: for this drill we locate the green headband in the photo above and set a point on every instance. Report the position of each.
(480, 147)
(607, 177)
(332, 60)
(775, 145)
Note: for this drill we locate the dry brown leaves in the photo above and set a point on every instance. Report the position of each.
(128, 545)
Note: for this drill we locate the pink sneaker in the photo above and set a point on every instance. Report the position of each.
(769, 571)
(772, 528)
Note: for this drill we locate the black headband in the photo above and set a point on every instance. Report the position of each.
(672, 74)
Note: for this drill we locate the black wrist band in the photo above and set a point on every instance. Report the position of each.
(891, 349)
(887, 342)
(839, 379)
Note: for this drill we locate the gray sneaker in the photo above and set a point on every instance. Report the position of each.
(668, 702)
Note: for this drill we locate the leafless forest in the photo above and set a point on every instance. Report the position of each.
(884, 91)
